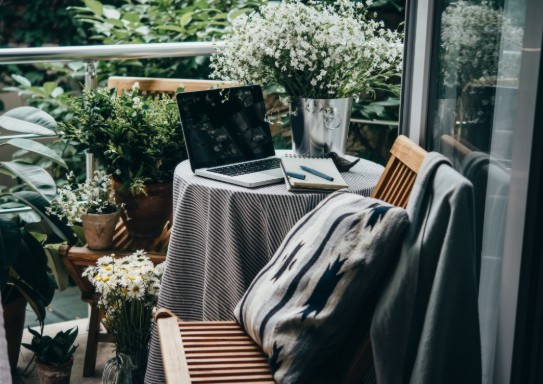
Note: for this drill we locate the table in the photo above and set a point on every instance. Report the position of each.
(222, 235)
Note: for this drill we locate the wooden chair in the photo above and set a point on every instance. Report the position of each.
(221, 351)
(76, 259)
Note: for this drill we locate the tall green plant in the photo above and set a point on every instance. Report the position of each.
(24, 259)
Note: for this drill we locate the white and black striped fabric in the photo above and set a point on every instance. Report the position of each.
(222, 236)
(305, 303)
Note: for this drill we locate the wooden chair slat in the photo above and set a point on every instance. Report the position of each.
(254, 365)
(219, 349)
(220, 380)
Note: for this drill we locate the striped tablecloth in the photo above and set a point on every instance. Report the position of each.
(222, 235)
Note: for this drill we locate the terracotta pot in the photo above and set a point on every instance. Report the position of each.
(99, 229)
(14, 323)
(147, 213)
(50, 374)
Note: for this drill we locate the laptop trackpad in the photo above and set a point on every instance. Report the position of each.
(261, 175)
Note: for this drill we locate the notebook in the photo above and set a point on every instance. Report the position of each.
(311, 183)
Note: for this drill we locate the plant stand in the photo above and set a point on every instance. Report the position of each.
(77, 259)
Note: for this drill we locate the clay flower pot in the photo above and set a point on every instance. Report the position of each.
(50, 374)
(99, 229)
(147, 213)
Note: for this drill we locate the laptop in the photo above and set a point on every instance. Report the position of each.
(227, 136)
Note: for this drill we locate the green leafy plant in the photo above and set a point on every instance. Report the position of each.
(24, 258)
(159, 21)
(53, 351)
(138, 140)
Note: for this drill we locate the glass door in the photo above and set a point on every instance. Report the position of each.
(472, 88)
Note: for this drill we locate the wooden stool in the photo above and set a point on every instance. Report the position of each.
(77, 259)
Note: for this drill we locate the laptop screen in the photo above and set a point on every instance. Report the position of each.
(225, 126)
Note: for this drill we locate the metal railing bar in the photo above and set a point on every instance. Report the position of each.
(107, 52)
(375, 122)
(24, 136)
(14, 210)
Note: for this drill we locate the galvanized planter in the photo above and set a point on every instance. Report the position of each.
(320, 126)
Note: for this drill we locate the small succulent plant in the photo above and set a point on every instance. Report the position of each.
(53, 351)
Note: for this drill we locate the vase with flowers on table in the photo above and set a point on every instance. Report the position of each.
(321, 56)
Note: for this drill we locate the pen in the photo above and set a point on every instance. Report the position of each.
(316, 173)
(296, 175)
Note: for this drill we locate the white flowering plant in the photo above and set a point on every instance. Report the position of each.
(128, 288)
(75, 200)
(312, 50)
(472, 37)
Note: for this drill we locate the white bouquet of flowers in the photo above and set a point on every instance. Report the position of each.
(76, 200)
(472, 37)
(128, 289)
(319, 50)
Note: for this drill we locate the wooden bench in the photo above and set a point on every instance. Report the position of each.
(221, 352)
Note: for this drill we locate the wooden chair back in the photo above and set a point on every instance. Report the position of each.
(150, 86)
(221, 351)
(398, 178)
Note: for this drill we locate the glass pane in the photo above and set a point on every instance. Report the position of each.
(476, 64)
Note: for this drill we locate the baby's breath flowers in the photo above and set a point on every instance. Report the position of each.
(76, 200)
(128, 289)
(313, 50)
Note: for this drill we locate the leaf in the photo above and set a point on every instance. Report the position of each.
(39, 204)
(21, 80)
(95, 6)
(28, 120)
(57, 267)
(78, 230)
(236, 12)
(49, 87)
(35, 177)
(10, 246)
(111, 13)
(115, 22)
(174, 28)
(185, 19)
(39, 148)
(57, 92)
(132, 17)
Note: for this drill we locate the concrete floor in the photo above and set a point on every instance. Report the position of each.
(105, 352)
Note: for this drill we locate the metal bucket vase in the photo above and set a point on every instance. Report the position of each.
(320, 126)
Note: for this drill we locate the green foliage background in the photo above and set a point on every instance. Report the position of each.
(86, 22)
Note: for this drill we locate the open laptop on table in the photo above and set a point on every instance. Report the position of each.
(227, 136)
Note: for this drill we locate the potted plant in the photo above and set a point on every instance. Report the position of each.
(128, 288)
(321, 54)
(139, 141)
(54, 355)
(92, 204)
(25, 256)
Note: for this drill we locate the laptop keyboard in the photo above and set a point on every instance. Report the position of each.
(245, 168)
